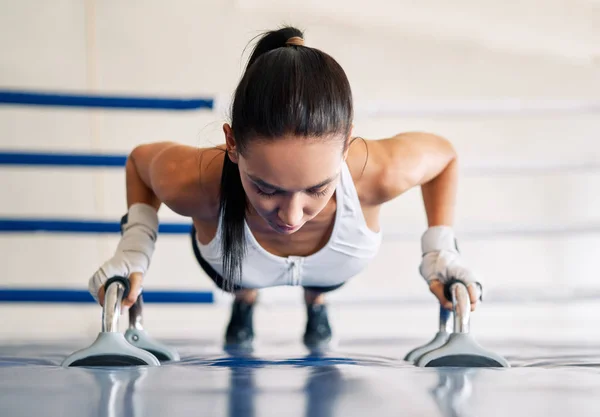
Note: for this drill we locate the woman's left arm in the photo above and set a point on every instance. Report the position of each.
(421, 159)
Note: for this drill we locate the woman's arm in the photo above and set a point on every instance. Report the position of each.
(440, 188)
(182, 177)
(429, 161)
(156, 173)
(417, 159)
(138, 174)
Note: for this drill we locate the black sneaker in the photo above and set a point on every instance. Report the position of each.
(239, 331)
(318, 331)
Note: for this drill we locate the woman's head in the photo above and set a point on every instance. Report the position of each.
(291, 120)
(291, 90)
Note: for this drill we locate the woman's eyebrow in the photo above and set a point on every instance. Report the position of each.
(265, 184)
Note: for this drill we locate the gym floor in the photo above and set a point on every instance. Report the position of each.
(553, 349)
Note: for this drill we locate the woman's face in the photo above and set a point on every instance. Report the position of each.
(290, 180)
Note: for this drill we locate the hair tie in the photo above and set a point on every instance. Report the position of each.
(295, 41)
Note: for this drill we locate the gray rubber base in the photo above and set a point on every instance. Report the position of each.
(461, 350)
(438, 341)
(111, 349)
(141, 339)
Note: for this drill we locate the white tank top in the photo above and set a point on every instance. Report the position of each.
(349, 249)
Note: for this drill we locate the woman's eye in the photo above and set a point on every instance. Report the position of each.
(265, 193)
(318, 192)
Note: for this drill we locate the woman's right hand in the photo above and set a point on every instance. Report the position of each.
(132, 258)
(118, 266)
(135, 288)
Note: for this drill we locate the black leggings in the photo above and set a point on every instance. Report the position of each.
(220, 281)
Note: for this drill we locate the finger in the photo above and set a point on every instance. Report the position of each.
(437, 288)
(135, 284)
(473, 295)
(101, 296)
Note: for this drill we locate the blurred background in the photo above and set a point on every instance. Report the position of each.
(514, 85)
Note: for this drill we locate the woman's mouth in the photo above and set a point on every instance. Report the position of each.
(286, 228)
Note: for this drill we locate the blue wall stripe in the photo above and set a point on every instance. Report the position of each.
(79, 226)
(62, 159)
(57, 296)
(31, 98)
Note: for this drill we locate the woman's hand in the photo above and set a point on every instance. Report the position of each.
(442, 262)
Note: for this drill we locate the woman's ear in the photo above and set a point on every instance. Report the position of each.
(348, 142)
(230, 143)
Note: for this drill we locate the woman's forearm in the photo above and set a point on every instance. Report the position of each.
(439, 196)
(137, 190)
(138, 174)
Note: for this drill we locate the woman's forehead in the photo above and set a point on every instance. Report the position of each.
(292, 165)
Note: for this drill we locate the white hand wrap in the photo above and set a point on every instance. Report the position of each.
(135, 249)
(441, 259)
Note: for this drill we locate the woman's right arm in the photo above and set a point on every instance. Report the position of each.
(184, 178)
(156, 173)
(137, 174)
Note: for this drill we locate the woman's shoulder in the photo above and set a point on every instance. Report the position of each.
(367, 168)
(191, 178)
(383, 169)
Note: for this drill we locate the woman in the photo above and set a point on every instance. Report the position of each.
(291, 198)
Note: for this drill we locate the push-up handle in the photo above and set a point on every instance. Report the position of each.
(461, 349)
(110, 347)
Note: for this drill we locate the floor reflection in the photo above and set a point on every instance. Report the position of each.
(322, 390)
(453, 391)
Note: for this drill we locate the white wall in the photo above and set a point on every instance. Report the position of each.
(528, 215)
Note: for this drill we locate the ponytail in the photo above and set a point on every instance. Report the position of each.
(232, 209)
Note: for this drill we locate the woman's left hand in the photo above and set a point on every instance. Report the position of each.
(442, 262)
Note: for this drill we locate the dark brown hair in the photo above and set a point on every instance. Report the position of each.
(287, 89)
